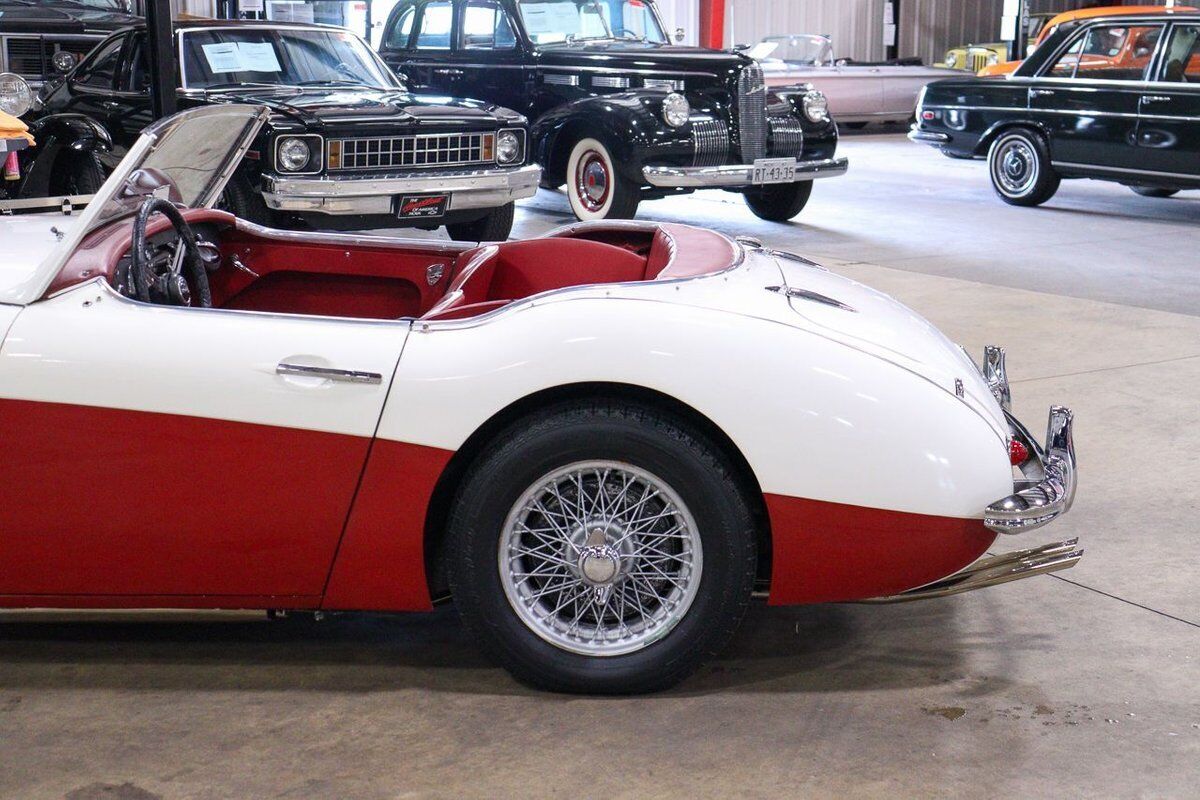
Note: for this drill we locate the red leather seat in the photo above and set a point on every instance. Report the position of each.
(539, 265)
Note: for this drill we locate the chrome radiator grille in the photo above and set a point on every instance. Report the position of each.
(752, 113)
(711, 143)
(787, 137)
(440, 149)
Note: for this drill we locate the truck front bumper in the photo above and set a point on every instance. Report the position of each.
(736, 175)
(355, 195)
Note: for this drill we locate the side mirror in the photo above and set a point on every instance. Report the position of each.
(679, 35)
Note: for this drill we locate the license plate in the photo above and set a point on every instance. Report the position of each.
(774, 170)
(421, 206)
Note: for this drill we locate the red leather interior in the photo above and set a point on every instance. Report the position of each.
(336, 276)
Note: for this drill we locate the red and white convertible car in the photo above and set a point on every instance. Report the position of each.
(600, 442)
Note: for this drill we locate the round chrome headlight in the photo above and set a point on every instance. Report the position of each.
(63, 61)
(951, 61)
(15, 95)
(816, 106)
(993, 59)
(294, 154)
(676, 110)
(508, 147)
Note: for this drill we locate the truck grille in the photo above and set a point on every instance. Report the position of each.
(787, 137)
(752, 113)
(711, 143)
(428, 150)
(29, 56)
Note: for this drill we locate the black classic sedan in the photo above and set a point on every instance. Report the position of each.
(620, 113)
(347, 146)
(1113, 98)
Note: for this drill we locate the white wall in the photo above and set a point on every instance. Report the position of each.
(927, 27)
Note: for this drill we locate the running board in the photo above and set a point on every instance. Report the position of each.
(995, 570)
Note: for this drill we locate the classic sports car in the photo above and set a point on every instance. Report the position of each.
(858, 91)
(348, 147)
(1111, 98)
(200, 412)
(620, 114)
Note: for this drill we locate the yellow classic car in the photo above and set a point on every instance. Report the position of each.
(976, 57)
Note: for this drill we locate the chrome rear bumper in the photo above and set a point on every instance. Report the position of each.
(995, 570)
(733, 175)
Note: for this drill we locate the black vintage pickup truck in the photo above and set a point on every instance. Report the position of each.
(620, 114)
(45, 39)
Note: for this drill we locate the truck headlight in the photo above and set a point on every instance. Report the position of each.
(676, 110)
(509, 148)
(15, 95)
(293, 154)
(993, 59)
(816, 106)
(63, 61)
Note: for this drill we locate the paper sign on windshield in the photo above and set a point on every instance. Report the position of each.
(241, 57)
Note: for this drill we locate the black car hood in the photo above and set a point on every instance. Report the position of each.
(64, 18)
(324, 108)
(640, 56)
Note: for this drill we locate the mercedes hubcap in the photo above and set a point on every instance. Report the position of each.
(1017, 167)
(600, 558)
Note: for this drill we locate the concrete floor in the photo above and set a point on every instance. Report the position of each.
(1080, 685)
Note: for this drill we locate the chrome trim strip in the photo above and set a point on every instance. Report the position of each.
(1036, 505)
(329, 373)
(1122, 170)
(916, 135)
(737, 174)
(995, 570)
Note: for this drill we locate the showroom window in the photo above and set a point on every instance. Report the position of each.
(434, 32)
(1182, 62)
(486, 27)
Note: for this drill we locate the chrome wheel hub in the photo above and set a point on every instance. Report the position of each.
(1016, 167)
(592, 182)
(600, 558)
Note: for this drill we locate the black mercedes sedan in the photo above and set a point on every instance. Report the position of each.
(620, 113)
(348, 147)
(1114, 98)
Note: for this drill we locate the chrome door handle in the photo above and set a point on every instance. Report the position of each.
(1041, 92)
(453, 73)
(328, 373)
(1155, 98)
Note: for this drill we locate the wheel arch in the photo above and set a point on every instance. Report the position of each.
(998, 129)
(441, 501)
(603, 118)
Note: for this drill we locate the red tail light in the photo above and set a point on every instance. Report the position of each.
(1017, 452)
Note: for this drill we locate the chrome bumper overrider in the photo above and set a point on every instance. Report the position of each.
(482, 188)
(736, 174)
(915, 134)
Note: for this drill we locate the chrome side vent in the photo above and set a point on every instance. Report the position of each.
(711, 142)
(752, 113)
(666, 84)
(560, 79)
(787, 137)
(610, 82)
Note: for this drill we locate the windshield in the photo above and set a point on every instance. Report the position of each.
(559, 21)
(229, 57)
(804, 49)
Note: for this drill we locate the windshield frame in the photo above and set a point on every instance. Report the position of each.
(394, 85)
(610, 37)
(824, 42)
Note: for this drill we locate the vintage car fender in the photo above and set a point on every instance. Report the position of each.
(627, 123)
(55, 133)
(857, 450)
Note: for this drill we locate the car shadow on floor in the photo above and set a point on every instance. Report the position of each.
(807, 649)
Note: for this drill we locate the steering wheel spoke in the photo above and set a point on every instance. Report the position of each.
(181, 279)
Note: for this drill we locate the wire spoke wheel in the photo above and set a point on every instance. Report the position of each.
(600, 558)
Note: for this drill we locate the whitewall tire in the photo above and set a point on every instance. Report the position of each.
(594, 188)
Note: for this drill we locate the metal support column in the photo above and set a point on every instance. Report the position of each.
(712, 23)
(161, 49)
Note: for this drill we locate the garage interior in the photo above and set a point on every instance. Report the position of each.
(1078, 685)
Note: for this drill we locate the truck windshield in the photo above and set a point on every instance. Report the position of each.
(565, 21)
(227, 58)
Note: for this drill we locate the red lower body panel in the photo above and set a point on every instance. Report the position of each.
(828, 552)
(380, 565)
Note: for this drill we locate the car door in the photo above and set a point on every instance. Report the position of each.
(1169, 125)
(418, 43)
(130, 110)
(89, 90)
(490, 55)
(1088, 97)
(860, 89)
(163, 451)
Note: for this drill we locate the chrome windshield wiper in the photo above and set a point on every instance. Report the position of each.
(247, 85)
(335, 82)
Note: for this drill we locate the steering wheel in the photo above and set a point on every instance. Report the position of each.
(185, 281)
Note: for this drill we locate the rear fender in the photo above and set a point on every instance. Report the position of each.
(74, 133)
